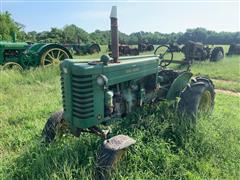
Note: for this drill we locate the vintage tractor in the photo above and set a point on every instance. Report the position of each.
(234, 49)
(21, 55)
(199, 52)
(174, 47)
(142, 47)
(82, 49)
(101, 92)
(125, 50)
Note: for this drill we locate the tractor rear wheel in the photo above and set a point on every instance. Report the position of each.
(94, 49)
(197, 98)
(150, 47)
(217, 54)
(53, 56)
(134, 52)
(54, 126)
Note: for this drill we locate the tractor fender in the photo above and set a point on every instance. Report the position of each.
(178, 85)
(46, 47)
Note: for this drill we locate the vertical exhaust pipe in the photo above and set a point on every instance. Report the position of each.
(114, 34)
(14, 36)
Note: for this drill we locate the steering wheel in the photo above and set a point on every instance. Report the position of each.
(165, 55)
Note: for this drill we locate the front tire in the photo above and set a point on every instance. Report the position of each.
(198, 98)
(55, 125)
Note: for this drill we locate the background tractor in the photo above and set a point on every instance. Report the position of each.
(101, 92)
(21, 55)
(125, 50)
(82, 49)
(234, 49)
(200, 52)
(142, 47)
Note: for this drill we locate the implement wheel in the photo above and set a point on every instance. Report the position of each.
(197, 98)
(55, 125)
(12, 65)
(53, 56)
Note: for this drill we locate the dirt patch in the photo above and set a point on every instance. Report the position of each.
(227, 92)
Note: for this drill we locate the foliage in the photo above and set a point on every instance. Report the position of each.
(71, 34)
(9, 26)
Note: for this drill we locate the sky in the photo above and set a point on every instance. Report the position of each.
(164, 16)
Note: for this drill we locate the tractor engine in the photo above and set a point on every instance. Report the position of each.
(122, 99)
(94, 92)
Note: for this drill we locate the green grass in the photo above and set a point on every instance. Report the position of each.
(211, 152)
(226, 69)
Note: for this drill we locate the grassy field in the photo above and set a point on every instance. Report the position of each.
(211, 152)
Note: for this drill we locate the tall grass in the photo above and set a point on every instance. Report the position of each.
(27, 99)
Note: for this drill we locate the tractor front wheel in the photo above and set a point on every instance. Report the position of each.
(55, 125)
(13, 66)
(197, 98)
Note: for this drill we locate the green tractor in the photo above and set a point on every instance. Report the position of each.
(82, 49)
(22, 55)
(200, 52)
(100, 92)
(234, 49)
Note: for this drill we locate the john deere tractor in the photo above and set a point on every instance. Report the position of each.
(234, 49)
(200, 52)
(97, 92)
(82, 49)
(22, 55)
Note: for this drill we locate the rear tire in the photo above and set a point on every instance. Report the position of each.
(94, 49)
(217, 54)
(150, 47)
(197, 98)
(134, 52)
(53, 126)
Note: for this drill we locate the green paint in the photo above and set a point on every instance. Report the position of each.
(178, 85)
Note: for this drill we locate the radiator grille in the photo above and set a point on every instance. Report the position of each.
(62, 89)
(82, 96)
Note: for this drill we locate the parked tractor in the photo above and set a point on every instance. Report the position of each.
(101, 92)
(125, 50)
(82, 49)
(174, 47)
(142, 47)
(21, 55)
(199, 52)
(234, 49)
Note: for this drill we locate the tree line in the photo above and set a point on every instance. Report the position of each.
(72, 34)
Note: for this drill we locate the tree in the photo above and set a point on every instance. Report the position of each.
(8, 26)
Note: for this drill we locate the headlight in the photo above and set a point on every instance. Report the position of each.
(102, 80)
(65, 70)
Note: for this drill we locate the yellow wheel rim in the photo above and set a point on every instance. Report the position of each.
(205, 102)
(53, 57)
(12, 65)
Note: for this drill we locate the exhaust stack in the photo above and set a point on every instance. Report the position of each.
(114, 34)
